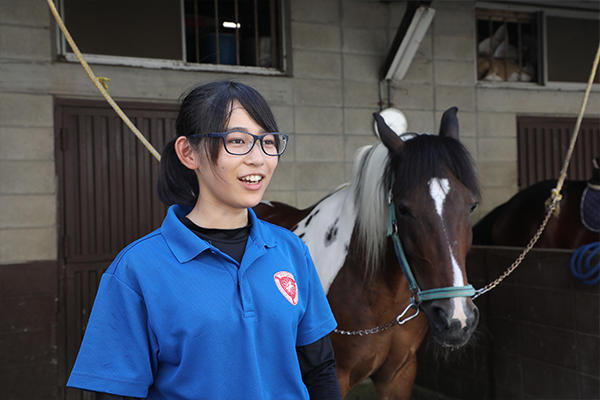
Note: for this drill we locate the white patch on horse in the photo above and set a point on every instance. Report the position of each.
(267, 202)
(327, 230)
(439, 189)
(337, 211)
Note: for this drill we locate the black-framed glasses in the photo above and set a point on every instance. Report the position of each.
(238, 142)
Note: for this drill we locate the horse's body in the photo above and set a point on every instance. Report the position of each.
(515, 222)
(433, 188)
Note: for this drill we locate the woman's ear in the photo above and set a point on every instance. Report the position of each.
(186, 153)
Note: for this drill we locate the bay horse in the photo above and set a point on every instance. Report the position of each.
(514, 222)
(406, 200)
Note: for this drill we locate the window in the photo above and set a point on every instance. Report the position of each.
(538, 45)
(231, 32)
(232, 35)
(507, 46)
(571, 46)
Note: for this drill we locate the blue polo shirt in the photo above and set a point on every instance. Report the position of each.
(175, 318)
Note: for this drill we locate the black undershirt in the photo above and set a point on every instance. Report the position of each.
(317, 363)
(230, 241)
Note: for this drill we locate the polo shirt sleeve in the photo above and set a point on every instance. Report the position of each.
(118, 349)
(318, 319)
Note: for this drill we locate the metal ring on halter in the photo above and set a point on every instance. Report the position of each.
(412, 304)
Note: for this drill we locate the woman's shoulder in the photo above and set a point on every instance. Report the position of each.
(142, 252)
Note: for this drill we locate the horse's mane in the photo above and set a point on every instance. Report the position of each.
(422, 157)
(370, 196)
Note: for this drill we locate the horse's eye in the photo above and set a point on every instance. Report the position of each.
(403, 210)
(473, 207)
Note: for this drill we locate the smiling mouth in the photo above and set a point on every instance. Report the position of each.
(251, 178)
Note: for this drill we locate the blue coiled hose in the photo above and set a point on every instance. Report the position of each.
(581, 263)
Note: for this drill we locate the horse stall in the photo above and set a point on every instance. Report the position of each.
(538, 335)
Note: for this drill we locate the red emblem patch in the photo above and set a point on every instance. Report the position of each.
(287, 286)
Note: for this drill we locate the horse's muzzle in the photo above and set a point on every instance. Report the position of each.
(451, 321)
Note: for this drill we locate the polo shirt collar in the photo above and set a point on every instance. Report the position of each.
(186, 245)
(258, 233)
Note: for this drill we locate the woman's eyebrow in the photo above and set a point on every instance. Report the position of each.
(244, 129)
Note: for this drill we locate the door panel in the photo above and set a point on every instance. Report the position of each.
(542, 148)
(107, 195)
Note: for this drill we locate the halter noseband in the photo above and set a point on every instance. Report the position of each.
(418, 295)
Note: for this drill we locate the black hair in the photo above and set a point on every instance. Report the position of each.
(205, 109)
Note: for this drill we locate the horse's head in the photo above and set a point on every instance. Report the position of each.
(434, 190)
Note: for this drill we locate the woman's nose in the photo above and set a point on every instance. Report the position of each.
(256, 155)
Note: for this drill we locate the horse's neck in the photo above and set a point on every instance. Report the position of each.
(327, 231)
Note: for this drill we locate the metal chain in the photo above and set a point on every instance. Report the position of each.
(555, 199)
(363, 332)
(397, 321)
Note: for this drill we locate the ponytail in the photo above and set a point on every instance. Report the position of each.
(177, 184)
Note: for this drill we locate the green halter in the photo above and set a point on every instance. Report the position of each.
(419, 295)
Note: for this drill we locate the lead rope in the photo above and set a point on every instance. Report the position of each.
(556, 197)
(100, 83)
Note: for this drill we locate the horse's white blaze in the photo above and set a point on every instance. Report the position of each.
(329, 256)
(439, 189)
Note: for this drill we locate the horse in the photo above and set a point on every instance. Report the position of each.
(514, 222)
(402, 222)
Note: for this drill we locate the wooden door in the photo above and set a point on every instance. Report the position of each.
(543, 143)
(107, 199)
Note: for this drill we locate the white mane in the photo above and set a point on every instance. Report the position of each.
(371, 202)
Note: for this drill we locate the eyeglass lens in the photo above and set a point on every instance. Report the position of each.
(240, 143)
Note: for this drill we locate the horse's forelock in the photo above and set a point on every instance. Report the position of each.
(428, 156)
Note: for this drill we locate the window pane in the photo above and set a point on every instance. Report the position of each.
(572, 45)
(132, 28)
(248, 41)
(507, 46)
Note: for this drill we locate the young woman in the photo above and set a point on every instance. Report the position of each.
(215, 304)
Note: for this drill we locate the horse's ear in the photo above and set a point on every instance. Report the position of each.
(449, 124)
(388, 137)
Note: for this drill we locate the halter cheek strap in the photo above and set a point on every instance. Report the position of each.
(419, 295)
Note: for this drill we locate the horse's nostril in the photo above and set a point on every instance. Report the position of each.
(441, 317)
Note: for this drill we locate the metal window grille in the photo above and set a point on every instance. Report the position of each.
(233, 32)
(508, 44)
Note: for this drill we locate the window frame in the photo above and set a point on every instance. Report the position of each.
(65, 53)
(545, 12)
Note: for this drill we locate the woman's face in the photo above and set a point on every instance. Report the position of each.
(235, 181)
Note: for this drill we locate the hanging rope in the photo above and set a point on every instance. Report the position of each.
(556, 197)
(100, 82)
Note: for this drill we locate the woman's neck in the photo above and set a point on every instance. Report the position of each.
(217, 217)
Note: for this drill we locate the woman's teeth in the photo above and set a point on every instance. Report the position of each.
(252, 178)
